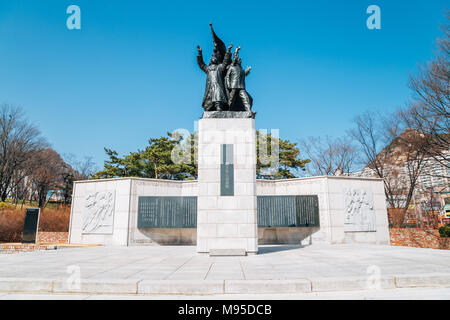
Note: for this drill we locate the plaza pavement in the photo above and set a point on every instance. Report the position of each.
(287, 270)
(387, 294)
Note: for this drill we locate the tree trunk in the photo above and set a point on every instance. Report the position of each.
(42, 196)
(396, 216)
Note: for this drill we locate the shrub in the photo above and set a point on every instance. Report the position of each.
(445, 230)
(11, 225)
(396, 217)
(4, 205)
(54, 219)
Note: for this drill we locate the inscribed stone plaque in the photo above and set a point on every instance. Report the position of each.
(30, 226)
(227, 170)
(288, 211)
(167, 212)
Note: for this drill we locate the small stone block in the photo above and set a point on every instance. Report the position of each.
(227, 252)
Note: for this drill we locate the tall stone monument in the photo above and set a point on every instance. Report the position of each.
(227, 211)
(226, 216)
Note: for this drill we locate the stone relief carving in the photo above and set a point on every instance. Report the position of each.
(99, 213)
(359, 211)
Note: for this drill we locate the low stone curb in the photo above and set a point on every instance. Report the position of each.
(267, 286)
(210, 287)
(181, 286)
(418, 280)
(351, 283)
(96, 287)
(10, 248)
(25, 285)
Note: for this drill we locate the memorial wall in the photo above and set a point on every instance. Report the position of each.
(343, 217)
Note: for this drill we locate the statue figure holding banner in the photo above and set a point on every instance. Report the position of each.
(216, 97)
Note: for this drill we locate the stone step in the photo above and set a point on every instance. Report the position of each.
(227, 252)
(211, 287)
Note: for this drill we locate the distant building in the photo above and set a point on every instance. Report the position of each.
(432, 192)
(435, 174)
(55, 195)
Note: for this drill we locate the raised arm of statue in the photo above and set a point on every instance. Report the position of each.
(200, 61)
(227, 58)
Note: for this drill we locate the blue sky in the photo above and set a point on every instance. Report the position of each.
(130, 73)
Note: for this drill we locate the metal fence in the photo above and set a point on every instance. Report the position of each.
(167, 212)
(288, 211)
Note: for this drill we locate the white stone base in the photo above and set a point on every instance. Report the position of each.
(227, 222)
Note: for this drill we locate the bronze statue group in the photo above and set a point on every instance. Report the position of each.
(225, 81)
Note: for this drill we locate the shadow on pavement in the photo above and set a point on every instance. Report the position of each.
(277, 248)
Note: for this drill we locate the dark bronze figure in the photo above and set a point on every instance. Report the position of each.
(225, 94)
(239, 99)
(215, 98)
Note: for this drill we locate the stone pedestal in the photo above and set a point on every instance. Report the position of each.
(227, 218)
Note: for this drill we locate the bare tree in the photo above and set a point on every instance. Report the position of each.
(329, 156)
(393, 153)
(47, 173)
(19, 140)
(429, 111)
(413, 146)
(82, 169)
(79, 170)
(371, 133)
